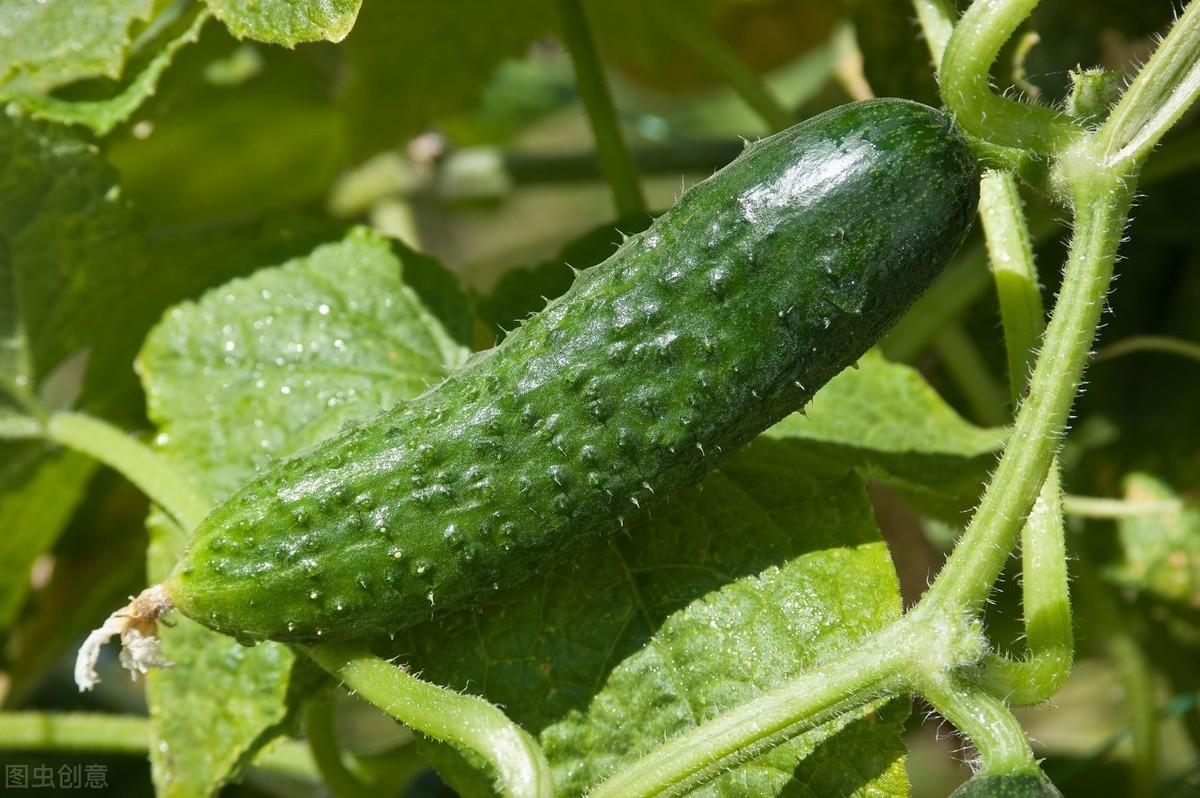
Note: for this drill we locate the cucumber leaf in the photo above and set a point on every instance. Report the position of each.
(69, 245)
(733, 586)
(288, 22)
(257, 369)
(102, 115)
(885, 421)
(50, 43)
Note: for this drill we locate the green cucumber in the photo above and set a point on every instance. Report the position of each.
(760, 285)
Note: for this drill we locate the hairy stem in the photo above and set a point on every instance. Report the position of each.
(966, 84)
(817, 695)
(1158, 96)
(97, 733)
(464, 721)
(985, 719)
(132, 459)
(1101, 207)
(1045, 592)
(611, 150)
(322, 742)
(1045, 596)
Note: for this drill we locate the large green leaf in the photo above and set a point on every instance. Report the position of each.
(280, 360)
(104, 114)
(884, 420)
(732, 587)
(288, 22)
(69, 248)
(257, 369)
(48, 43)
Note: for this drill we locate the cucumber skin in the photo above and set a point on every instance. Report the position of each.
(728, 313)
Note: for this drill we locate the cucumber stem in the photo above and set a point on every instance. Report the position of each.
(1164, 88)
(1010, 251)
(965, 81)
(1045, 593)
(464, 721)
(1101, 208)
(985, 719)
(612, 152)
(697, 756)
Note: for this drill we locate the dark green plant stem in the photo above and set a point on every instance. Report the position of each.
(682, 21)
(98, 733)
(320, 729)
(971, 374)
(464, 721)
(611, 150)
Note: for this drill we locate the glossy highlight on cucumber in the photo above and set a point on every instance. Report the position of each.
(728, 313)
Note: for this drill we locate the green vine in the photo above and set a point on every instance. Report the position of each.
(613, 153)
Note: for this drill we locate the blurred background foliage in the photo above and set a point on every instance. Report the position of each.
(457, 128)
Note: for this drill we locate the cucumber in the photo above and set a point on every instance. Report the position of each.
(760, 285)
